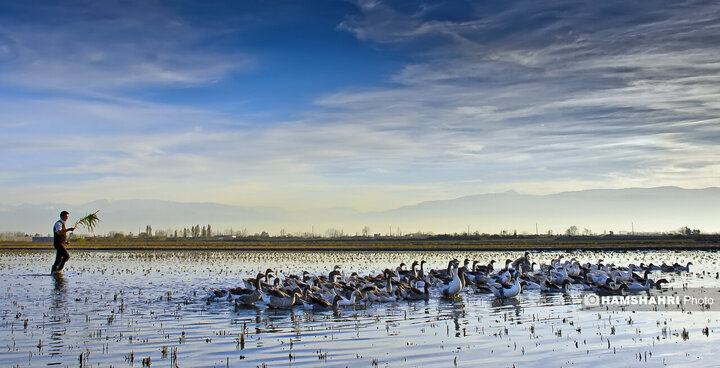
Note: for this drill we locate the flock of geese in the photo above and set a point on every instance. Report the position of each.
(338, 289)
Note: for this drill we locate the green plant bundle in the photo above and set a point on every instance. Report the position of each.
(89, 221)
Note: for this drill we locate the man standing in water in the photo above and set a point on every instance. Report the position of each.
(59, 242)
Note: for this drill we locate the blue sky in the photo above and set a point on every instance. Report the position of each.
(366, 104)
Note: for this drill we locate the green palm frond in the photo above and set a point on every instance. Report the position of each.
(89, 221)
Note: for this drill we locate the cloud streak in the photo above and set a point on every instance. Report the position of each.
(537, 97)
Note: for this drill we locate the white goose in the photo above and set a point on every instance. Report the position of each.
(503, 292)
(452, 288)
(573, 270)
(354, 299)
(597, 277)
(623, 276)
(558, 277)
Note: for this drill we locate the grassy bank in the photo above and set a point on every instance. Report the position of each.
(535, 243)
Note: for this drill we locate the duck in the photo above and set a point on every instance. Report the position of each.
(522, 263)
(421, 272)
(446, 274)
(612, 287)
(279, 300)
(639, 286)
(407, 273)
(217, 295)
(553, 287)
(354, 299)
(484, 269)
(312, 301)
(413, 293)
(532, 285)
(645, 286)
(245, 296)
(622, 275)
(376, 295)
(573, 269)
(679, 268)
(597, 278)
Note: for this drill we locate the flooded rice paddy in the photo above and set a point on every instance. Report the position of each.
(149, 308)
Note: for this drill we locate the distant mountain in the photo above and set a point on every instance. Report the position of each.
(654, 209)
(644, 209)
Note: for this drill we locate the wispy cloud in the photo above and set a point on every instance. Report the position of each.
(584, 91)
(535, 96)
(85, 47)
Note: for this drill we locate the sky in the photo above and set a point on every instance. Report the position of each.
(365, 104)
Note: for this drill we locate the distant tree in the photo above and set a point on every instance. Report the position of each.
(572, 231)
(550, 232)
(209, 231)
(366, 231)
(264, 234)
(148, 231)
(283, 232)
(176, 234)
(204, 232)
(334, 233)
(587, 232)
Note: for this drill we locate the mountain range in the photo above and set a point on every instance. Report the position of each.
(619, 210)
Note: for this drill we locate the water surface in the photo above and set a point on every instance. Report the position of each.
(119, 308)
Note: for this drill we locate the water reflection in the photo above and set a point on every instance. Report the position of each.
(57, 316)
(502, 305)
(59, 285)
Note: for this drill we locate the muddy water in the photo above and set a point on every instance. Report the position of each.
(125, 309)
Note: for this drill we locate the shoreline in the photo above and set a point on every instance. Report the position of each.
(444, 245)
